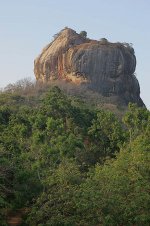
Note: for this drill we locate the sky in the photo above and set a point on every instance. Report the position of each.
(26, 26)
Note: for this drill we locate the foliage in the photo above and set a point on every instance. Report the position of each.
(83, 34)
(106, 133)
(72, 164)
(129, 46)
(59, 208)
(118, 192)
(103, 40)
(137, 120)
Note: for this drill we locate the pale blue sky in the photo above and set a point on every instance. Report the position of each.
(26, 26)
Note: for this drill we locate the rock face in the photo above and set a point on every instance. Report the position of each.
(107, 68)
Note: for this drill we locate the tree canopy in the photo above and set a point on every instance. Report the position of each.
(72, 164)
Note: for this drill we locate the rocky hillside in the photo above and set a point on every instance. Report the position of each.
(104, 67)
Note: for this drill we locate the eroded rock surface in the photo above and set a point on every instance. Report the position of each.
(107, 68)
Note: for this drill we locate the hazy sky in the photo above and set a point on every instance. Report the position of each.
(26, 26)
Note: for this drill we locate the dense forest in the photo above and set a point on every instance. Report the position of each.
(64, 162)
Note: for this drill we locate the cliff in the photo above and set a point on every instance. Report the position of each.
(107, 68)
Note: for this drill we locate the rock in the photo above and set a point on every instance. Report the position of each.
(107, 68)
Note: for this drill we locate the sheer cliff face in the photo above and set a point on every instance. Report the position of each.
(107, 68)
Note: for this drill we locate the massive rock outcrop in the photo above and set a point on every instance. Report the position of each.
(107, 68)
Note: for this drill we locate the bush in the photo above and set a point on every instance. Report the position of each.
(83, 34)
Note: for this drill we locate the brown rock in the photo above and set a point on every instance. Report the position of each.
(107, 68)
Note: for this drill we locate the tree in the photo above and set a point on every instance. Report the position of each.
(53, 158)
(83, 34)
(136, 120)
(118, 192)
(106, 134)
(55, 206)
(103, 40)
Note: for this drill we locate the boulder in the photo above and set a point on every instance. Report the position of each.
(104, 67)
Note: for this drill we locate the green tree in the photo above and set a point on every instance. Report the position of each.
(136, 120)
(55, 206)
(118, 192)
(83, 34)
(106, 134)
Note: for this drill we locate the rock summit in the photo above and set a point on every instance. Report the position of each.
(104, 67)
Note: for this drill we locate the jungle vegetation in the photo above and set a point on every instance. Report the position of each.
(69, 163)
